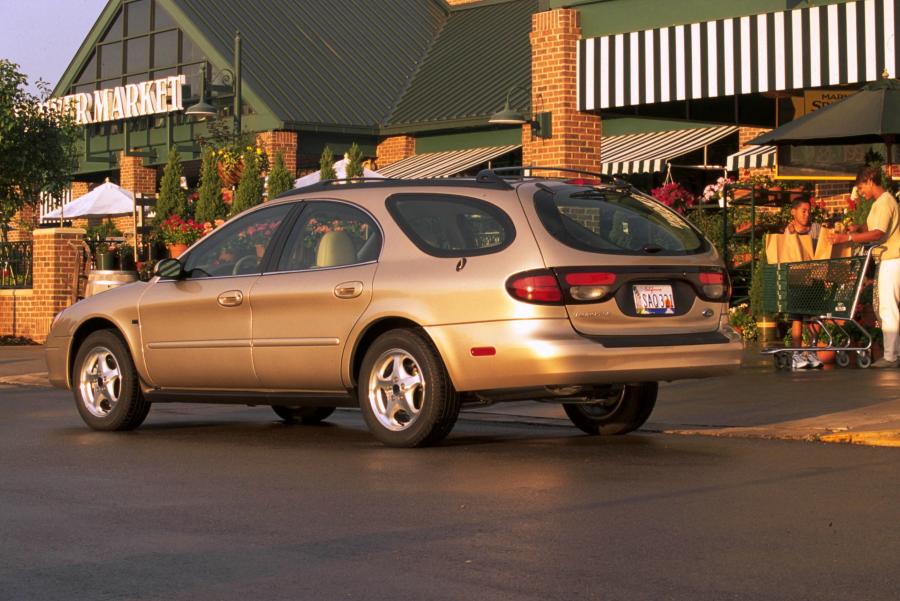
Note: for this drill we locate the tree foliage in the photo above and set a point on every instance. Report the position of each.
(38, 145)
(354, 162)
(172, 197)
(326, 165)
(280, 179)
(249, 190)
(210, 205)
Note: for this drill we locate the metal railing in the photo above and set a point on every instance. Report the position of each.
(15, 265)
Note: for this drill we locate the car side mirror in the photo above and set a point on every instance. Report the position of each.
(169, 269)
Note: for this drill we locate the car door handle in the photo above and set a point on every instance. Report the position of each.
(232, 298)
(348, 289)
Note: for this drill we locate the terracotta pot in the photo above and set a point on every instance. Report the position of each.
(230, 177)
(260, 250)
(827, 357)
(175, 250)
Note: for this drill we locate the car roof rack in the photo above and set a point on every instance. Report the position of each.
(526, 172)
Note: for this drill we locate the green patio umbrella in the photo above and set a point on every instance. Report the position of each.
(870, 115)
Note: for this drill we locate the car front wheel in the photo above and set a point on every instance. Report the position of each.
(405, 393)
(106, 388)
(623, 411)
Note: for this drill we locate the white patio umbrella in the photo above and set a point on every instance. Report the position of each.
(106, 199)
(340, 168)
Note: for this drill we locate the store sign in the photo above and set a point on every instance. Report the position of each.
(123, 102)
(816, 99)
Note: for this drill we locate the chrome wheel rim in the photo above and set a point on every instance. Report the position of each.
(396, 390)
(604, 408)
(100, 382)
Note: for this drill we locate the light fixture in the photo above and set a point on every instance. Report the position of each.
(540, 122)
(231, 81)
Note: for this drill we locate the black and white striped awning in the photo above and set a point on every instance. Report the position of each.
(443, 164)
(752, 157)
(649, 152)
(793, 49)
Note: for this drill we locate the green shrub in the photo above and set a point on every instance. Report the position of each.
(280, 179)
(172, 198)
(326, 164)
(250, 189)
(210, 205)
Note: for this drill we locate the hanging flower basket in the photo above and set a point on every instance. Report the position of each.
(230, 174)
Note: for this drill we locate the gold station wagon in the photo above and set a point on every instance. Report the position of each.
(410, 299)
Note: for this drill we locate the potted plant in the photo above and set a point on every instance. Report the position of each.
(179, 234)
(106, 256)
(126, 258)
(230, 161)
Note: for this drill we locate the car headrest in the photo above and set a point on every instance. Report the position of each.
(335, 248)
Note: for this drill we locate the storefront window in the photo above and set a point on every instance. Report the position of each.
(89, 73)
(189, 51)
(138, 17)
(161, 19)
(138, 55)
(116, 30)
(165, 48)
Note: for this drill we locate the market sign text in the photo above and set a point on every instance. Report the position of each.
(123, 102)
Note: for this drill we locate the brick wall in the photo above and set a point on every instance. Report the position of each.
(393, 149)
(29, 312)
(134, 177)
(834, 194)
(575, 143)
(285, 142)
(79, 189)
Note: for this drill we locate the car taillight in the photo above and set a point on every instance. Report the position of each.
(714, 284)
(590, 285)
(535, 287)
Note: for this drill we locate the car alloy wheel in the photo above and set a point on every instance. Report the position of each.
(100, 382)
(396, 390)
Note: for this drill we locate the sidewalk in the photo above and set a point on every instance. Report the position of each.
(830, 405)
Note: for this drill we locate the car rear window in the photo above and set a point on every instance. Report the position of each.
(446, 225)
(615, 221)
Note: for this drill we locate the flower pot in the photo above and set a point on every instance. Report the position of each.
(107, 261)
(260, 250)
(175, 250)
(826, 357)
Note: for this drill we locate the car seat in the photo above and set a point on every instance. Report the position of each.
(335, 248)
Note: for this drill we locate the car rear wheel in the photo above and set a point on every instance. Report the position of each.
(405, 393)
(305, 415)
(622, 412)
(106, 388)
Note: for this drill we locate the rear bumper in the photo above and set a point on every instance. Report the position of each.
(548, 352)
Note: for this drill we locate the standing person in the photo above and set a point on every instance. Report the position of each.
(801, 215)
(882, 227)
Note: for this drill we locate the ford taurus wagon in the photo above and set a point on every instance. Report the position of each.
(411, 299)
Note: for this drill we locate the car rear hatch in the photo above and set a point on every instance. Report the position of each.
(625, 264)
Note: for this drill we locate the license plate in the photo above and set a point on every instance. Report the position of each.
(654, 299)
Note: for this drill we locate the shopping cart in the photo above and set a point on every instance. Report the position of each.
(825, 294)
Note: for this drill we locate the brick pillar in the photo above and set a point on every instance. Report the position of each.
(23, 221)
(554, 88)
(55, 255)
(393, 149)
(79, 189)
(134, 177)
(285, 142)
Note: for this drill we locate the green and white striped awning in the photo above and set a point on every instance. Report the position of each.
(752, 157)
(649, 152)
(443, 164)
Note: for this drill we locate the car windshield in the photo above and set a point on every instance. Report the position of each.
(615, 221)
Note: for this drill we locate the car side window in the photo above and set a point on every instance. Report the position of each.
(445, 225)
(330, 234)
(239, 247)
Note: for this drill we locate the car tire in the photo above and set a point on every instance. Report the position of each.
(624, 413)
(305, 415)
(405, 393)
(105, 384)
